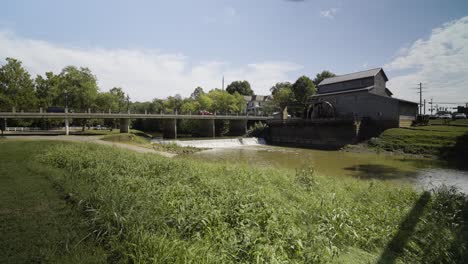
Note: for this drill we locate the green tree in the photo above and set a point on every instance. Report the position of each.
(322, 76)
(197, 93)
(119, 96)
(16, 87)
(223, 102)
(242, 87)
(173, 103)
(106, 101)
(205, 102)
(81, 87)
(282, 95)
(47, 90)
(189, 106)
(303, 88)
(280, 86)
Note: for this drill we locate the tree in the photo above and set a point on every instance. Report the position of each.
(16, 87)
(205, 102)
(223, 102)
(81, 87)
(322, 76)
(119, 96)
(242, 87)
(47, 90)
(303, 88)
(283, 95)
(280, 86)
(173, 103)
(197, 93)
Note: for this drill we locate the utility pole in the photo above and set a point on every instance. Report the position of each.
(420, 98)
(223, 84)
(424, 106)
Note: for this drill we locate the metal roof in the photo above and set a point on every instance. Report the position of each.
(345, 91)
(353, 76)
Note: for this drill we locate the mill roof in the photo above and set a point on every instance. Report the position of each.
(353, 76)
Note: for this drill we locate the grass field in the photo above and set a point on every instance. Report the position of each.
(145, 208)
(457, 122)
(447, 142)
(37, 225)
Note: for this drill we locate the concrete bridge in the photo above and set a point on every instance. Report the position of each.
(238, 123)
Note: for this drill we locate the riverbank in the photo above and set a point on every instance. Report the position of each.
(145, 208)
(448, 143)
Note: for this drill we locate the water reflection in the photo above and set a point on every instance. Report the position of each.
(422, 172)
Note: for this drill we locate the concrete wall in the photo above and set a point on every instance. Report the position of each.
(206, 128)
(170, 128)
(331, 134)
(237, 127)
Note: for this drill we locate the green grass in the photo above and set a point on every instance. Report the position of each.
(447, 142)
(147, 208)
(457, 122)
(37, 225)
(144, 208)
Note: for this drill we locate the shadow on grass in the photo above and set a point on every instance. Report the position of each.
(396, 245)
(380, 172)
(456, 155)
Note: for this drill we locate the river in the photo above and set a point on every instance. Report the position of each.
(423, 173)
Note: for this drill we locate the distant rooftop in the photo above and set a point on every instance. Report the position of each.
(353, 76)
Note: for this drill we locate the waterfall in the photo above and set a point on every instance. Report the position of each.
(216, 143)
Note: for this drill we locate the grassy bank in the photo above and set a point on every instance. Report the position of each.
(447, 142)
(147, 208)
(37, 224)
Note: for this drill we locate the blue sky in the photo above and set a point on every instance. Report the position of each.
(159, 48)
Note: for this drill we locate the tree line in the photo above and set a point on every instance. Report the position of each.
(76, 88)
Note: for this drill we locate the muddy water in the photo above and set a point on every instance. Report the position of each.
(423, 173)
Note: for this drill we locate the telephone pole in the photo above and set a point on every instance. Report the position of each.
(223, 83)
(424, 106)
(420, 98)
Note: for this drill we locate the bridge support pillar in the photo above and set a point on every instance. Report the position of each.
(237, 127)
(207, 128)
(170, 128)
(67, 127)
(124, 125)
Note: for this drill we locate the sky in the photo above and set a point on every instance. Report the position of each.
(153, 49)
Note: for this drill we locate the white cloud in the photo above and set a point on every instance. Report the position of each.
(145, 74)
(329, 13)
(440, 62)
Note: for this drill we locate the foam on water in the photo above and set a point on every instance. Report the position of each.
(216, 143)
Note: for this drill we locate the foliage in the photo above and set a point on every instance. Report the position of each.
(241, 87)
(282, 94)
(80, 85)
(197, 93)
(322, 76)
(16, 87)
(147, 208)
(174, 148)
(447, 142)
(257, 130)
(302, 89)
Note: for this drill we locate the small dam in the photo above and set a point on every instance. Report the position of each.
(216, 143)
